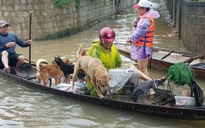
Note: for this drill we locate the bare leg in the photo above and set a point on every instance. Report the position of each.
(18, 64)
(5, 61)
(142, 64)
(141, 74)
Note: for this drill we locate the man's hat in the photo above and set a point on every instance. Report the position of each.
(3, 23)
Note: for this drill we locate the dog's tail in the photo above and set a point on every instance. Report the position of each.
(40, 63)
(81, 51)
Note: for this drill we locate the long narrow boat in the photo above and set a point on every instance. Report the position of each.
(123, 102)
(163, 59)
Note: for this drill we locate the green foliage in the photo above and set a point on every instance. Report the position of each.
(66, 3)
(61, 3)
(77, 4)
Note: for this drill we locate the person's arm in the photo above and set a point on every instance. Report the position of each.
(141, 30)
(3, 47)
(21, 43)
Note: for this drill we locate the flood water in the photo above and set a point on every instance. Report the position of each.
(22, 106)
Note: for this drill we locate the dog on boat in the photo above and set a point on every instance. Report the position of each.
(66, 61)
(45, 71)
(94, 68)
(81, 52)
(67, 69)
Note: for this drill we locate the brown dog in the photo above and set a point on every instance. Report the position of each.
(81, 52)
(94, 68)
(45, 71)
(66, 61)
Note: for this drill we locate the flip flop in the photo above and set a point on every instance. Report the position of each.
(7, 69)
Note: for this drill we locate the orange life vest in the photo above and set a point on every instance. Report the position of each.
(148, 38)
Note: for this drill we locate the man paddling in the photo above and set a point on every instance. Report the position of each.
(8, 41)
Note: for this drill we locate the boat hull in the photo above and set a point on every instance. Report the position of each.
(128, 105)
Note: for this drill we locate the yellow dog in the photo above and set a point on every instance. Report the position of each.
(94, 68)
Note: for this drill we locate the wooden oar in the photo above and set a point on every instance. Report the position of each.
(193, 58)
(167, 55)
(30, 36)
(123, 44)
(150, 62)
(30, 61)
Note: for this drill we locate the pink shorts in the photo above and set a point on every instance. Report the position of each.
(137, 52)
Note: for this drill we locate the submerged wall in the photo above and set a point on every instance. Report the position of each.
(53, 22)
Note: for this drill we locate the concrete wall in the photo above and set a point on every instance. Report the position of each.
(189, 20)
(193, 26)
(50, 22)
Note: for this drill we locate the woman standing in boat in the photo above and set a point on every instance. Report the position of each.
(142, 39)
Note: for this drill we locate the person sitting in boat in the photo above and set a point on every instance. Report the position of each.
(106, 51)
(8, 41)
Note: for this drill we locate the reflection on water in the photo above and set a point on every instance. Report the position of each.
(22, 106)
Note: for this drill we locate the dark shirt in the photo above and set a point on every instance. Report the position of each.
(10, 37)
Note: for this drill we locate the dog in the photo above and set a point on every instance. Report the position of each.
(81, 52)
(45, 71)
(94, 68)
(66, 61)
(67, 69)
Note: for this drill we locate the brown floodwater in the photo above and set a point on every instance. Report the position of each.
(22, 106)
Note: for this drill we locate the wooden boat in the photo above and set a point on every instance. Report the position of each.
(163, 59)
(119, 101)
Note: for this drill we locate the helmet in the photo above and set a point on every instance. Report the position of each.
(107, 35)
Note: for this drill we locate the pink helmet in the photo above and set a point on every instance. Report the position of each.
(107, 35)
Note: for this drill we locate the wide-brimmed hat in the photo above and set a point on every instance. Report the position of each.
(3, 23)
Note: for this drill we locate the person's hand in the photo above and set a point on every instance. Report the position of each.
(128, 41)
(10, 44)
(29, 42)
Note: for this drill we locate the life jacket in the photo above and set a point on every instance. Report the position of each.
(148, 38)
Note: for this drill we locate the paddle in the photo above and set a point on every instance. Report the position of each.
(30, 36)
(30, 61)
(150, 62)
(193, 58)
(123, 44)
(167, 55)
